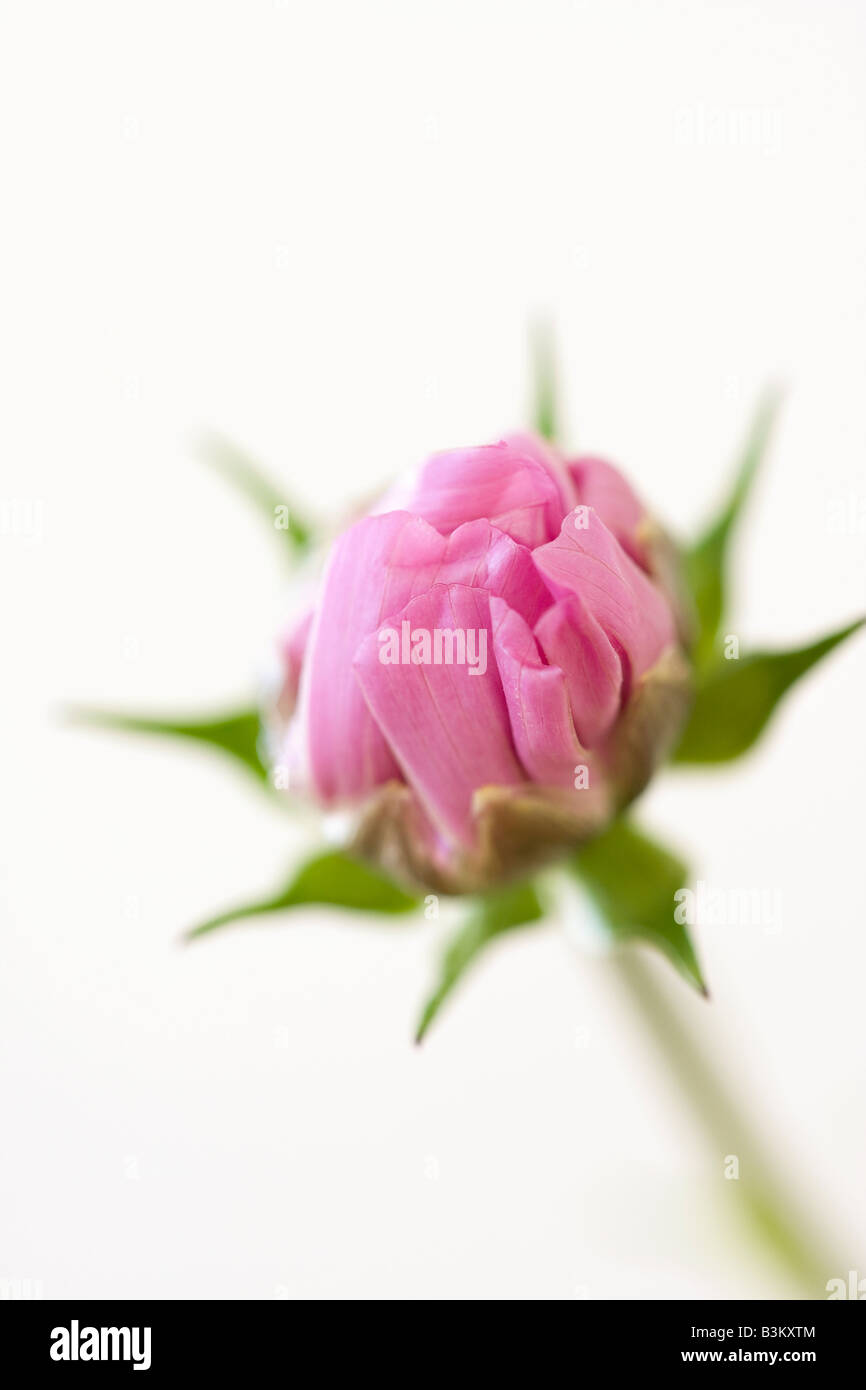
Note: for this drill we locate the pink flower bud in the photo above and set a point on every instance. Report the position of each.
(491, 671)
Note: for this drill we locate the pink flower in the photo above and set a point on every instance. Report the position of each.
(491, 670)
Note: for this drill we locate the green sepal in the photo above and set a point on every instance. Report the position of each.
(734, 701)
(239, 734)
(543, 363)
(490, 915)
(330, 879)
(238, 468)
(706, 562)
(632, 882)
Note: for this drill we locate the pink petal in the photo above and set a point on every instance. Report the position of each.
(543, 452)
(586, 560)
(538, 703)
(603, 487)
(497, 482)
(374, 569)
(573, 640)
(448, 726)
(484, 557)
(292, 648)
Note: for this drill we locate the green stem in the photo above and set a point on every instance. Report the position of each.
(763, 1201)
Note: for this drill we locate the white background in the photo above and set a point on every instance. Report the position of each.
(323, 230)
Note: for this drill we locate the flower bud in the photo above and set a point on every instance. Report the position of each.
(491, 671)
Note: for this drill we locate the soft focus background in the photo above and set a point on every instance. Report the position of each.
(323, 230)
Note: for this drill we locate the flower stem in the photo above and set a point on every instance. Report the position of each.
(763, 1201)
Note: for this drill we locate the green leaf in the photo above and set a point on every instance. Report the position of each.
(491, 915)
(543, 357)
(238, 734)
(632, 881)
(707, 560)
(233, 464)
(734, 701)
(331, 879)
